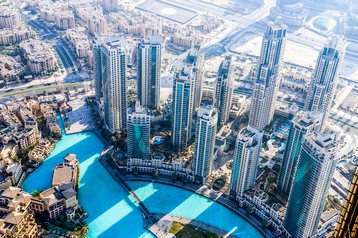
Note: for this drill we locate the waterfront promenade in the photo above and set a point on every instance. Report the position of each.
(159, 224)
(221, 199)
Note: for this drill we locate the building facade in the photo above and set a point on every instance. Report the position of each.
(246, 158)
(97, 68)
(149, 59)
(312, 179)
(182, 107)
(114, 84)
(138, 133)
(267, 76)
(205, 134)
(195, 61)
(325, 77)
(347, 225)
(224, 91)
(303, 124)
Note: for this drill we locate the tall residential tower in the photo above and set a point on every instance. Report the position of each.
(182, 107)
(194, 61)
(312, 179)
(303, 124)
(224, 91)
(138, 131)
(111, 82)
(206, 124)
(149, 60)
(246, 158)
(325, 77)
(267, 76)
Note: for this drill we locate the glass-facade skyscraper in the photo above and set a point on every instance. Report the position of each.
(149, 60)
(303, 124)
(313, 176)
(138, 131)
(246, 158)
(267, 75)
(325, 77)
(182, 107)
(206, 123)
(224, 91)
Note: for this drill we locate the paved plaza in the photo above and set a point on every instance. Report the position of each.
(80, 117)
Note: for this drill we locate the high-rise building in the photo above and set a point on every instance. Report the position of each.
(312, 179)
(325, 77)
(182, 107)
(110, 5)
(224, 91)
(138, 131)
(267, 76)
(347, 225)
(195, 61)
(303, 124)
(206, 124)
(114, 85)
(149, 59)
(246, 158)
(97, 69)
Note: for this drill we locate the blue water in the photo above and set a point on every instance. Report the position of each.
(166, 199)
(112, 212)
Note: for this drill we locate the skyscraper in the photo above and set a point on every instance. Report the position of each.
(325, 76)
(97, 69)
(267, 76)
(223, 91)
(312, 179)
(138, 131)
(206, 124)
(303, 124)
(182, 107)
(246, 158)
(347, 225)
(194, 61)
(110, 5)
(149, 59)
(114, 85)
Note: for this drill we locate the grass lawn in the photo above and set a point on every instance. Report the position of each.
(181, 230)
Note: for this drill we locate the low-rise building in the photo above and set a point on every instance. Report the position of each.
(66, 172)
(14, 172)
(59, 200)
(15, 35)
(80, 42)
(160, 168)
(10, 69)
(16, 219)
(39, 153)
(39, 57)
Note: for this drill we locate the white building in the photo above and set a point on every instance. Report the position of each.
(182, 107)
(149, 60)
(224, 91)
(267, 76)
(325, 77)
(246, 158)
(207, 119)
(114, 84)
